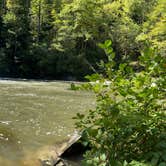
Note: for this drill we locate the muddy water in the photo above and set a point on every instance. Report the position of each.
(35, 116)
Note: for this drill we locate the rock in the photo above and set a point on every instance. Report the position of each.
(75, 138)
(61, 163)
(46, 163)
(68, 151)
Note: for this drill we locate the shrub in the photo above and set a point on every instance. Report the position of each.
(128, 123)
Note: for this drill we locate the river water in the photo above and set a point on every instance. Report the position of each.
(36, 116)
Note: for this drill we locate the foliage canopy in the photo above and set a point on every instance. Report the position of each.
(59, 38)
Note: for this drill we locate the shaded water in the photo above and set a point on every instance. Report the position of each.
(35, 116)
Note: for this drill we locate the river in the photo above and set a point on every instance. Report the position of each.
(34, 117)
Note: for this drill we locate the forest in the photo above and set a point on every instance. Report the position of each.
(58, 39)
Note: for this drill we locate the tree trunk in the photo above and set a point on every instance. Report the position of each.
(3, 7)
(39, 20)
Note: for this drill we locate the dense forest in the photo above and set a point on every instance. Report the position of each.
(58, 39)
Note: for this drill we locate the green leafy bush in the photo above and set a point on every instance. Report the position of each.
(129, 122)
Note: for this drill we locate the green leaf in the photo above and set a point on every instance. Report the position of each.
(103, 157)
(155, 159)
(108, 43)
(162, 164)
(80, 116)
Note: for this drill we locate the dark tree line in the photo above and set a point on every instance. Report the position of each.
(58, 39)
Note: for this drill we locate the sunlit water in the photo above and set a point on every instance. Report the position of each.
(35, 116)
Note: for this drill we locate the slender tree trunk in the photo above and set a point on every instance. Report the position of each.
(3, 7)
(39, 20)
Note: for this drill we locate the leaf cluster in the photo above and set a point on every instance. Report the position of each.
(128, 125)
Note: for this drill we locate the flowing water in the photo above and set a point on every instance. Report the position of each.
(35, 116)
